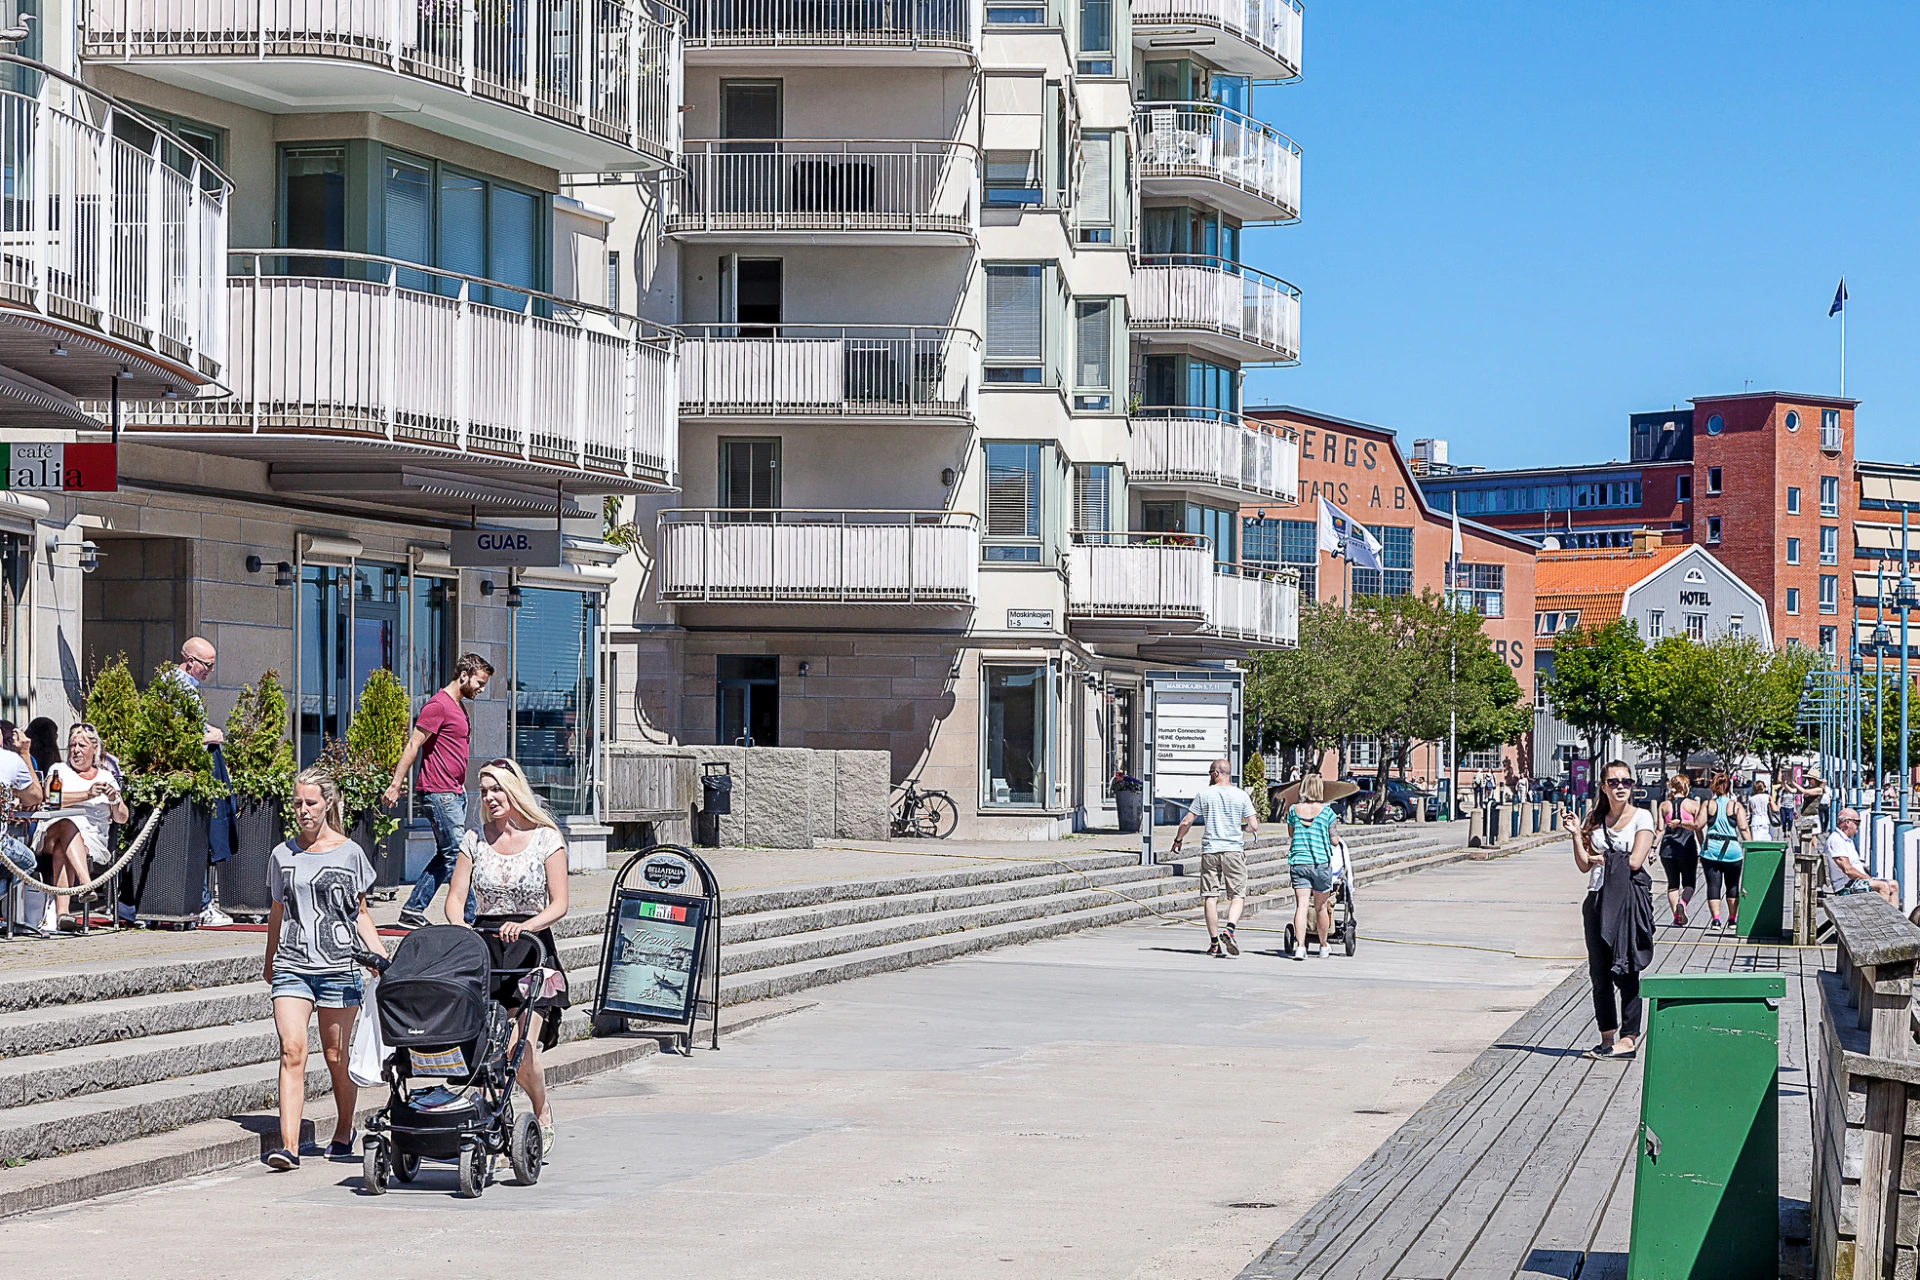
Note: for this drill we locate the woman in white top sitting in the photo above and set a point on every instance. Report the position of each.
(71, 844)
(516, 865)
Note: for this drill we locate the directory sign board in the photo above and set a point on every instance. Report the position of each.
(1192, 719)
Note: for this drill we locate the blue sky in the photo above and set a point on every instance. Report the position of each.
(1522, 222)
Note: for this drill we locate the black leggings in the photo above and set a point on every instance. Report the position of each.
(1723, 876)
(1680, 866)
(1605, 981)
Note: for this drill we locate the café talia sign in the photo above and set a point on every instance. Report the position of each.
(76, 468)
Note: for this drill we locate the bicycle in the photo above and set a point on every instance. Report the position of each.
(925, 813)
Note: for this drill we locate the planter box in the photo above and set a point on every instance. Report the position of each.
(1127, 804)
(259, 827)
(389, 856)
(168, 879)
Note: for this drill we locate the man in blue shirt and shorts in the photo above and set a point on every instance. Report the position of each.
(1225, 812)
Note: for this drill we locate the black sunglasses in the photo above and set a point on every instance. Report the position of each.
(1617, 782)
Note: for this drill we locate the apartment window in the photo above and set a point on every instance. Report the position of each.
(1793, 551)
(1656, 623)
(1093, 355)
(1395, 578)
(1546, 624)
(1829, 640)
(1829, 495)
(313, 204)
(1363, 753)
(1094, 206)
(1570, 620)
(1713, 480)
(1793, 600)
(1300, 548)
(1829, 593)
(1016, 15)
(1095, 500)
(1539, 691)
(1793, 500)
(1713, 530)
(1736, 625)
(613, 279)
(1829, 545)
(1013, 734)
(1096, 37)
(1013, 178)
(1830, 429)
(1696, 626)
(1015, 329)
(750, 476)
(1683, 488)
(1482, 589)
(1013, 503)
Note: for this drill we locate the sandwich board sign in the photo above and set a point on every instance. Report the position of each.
(1192, 719)
(662, 941)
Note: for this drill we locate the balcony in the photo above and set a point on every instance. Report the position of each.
(1214, 453)
(1165, 593)
(111, 256)
(391, 383)
(781, 556)
(1223, 306)
(577, 85)
(1259, 38)
(859, 191)
(831, 32)
(1215, 154)
(872, 373)
(1830, 438)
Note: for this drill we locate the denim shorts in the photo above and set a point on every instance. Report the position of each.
(324, 990)
(1317, 876)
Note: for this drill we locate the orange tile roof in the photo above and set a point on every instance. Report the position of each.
(1594, 582)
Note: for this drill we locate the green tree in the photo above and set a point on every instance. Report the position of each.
(379, 726)
(113, 706)
(1599, 676)
(1667, 714)
(259, 757)
(166, 756)
(1751, 693)
(1302, 698)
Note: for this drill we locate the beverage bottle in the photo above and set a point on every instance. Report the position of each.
(53, 788)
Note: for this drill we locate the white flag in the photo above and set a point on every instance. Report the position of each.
(1342, 535)
(1456, 550)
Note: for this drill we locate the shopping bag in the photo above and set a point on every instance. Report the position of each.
(368, 1052)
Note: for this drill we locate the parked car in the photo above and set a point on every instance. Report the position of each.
(1401, 797)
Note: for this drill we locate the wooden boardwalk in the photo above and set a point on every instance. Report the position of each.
(1522, 1166)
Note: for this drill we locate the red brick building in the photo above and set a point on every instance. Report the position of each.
(1764, 479)
(1360, 469)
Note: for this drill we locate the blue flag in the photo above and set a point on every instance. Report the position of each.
(1839, 299)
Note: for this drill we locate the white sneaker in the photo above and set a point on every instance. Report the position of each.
(1299, 951)
(214, 918)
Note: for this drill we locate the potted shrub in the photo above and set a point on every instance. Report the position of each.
(1127, 798)
(1253, 778)
(260, 767)
(363, 766)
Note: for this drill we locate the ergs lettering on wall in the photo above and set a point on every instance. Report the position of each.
(1356, 454)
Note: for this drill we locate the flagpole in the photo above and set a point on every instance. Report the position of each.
(1843, 347)
(1453, 647)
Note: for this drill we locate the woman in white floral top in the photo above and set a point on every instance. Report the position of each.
(516, 865)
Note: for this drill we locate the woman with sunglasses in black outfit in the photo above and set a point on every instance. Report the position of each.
(1611, 847)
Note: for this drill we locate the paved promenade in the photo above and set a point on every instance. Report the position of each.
(1107, 1104)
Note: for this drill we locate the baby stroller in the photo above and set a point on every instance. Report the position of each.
(1346, 927)
(449, 1069)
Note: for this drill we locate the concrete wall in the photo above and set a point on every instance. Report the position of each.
(789, 797)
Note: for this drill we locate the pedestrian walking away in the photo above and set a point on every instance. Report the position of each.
(1611, 848)
(1722, 851)
(1844, 873)
(440, 741)
(1226, 817)
(516, 867)
(1680, 821)
(318, 881)
(1310, 863)
(1763, 815)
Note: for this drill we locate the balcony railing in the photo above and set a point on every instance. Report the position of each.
(839, 24)
(1194, 293)
(1830, 441)
(109, 237)
(830, 371)
(354, 347)
(1171, 586)
(1257, 606)
(1271, 28)
(601, 66)
(1214, 449)
(1209, 141)
(784, 556)
(741, 185)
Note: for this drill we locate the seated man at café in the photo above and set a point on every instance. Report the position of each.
(20, 793)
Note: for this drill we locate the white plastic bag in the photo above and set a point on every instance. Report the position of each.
(368, 1052)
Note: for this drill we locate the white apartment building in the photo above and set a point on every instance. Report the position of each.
(963, 315)
(322, 250)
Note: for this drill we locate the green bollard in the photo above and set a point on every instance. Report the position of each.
(1707, 1169)
(1763, 890)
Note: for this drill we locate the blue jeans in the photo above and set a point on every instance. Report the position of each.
(14, 854)
(447, 814)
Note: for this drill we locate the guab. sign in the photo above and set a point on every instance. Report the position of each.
(505, 548)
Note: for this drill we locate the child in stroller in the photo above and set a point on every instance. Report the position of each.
(452, 1053)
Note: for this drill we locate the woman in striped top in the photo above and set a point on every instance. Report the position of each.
(1310, 860)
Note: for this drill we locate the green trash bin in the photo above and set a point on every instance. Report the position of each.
(1763, 890)
(1707, 1170)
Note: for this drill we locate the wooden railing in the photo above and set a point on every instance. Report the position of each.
(645, 785)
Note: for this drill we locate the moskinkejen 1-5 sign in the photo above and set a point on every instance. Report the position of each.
(72, 468)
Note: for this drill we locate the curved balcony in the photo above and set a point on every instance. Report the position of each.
(577, 85)
(1259, 38)
(111, 255)
(873, 373)
(858, 191)
(1214, 453)
(785, 556)
(831, 32)
(1218, 155)
(1165, 593)
(1221, 305)
(387, 382)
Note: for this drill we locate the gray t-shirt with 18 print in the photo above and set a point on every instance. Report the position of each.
(321, 897)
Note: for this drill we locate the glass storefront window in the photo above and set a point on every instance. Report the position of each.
(553, 696)
(13, 580)
(1015, 734)
(354, 622)
(432, 638)
(323, 658)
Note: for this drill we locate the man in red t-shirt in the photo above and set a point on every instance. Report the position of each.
(440, 739)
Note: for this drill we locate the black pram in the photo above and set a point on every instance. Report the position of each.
(452, 1054)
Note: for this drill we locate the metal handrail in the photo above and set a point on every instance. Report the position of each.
(875, 557)
(738, 515)
(773, 332)
(1203, 413)
(1214, 262)
(802, 146)
(850, 23)
(122, 108)
(1229, 15)
(1143, 110)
